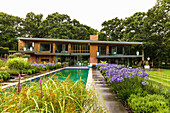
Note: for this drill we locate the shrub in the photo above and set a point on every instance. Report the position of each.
(148, 104)
(4, 50)
(5, 75)
(1, 63)
(17, 54)
(25, 71)
(13, 71)
(26, 56)
(29, 72)
(3, 68)
(33, 71)
(58, 97)
(11, 56)
(58, 65)
(1, 78)
(17, 63)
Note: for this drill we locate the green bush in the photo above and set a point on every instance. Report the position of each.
(44, 68)
(33, 71)
(5, 75)
(1, 77)
(11, 56)
(2, 63)
(26, 56)
(58, 65)
(14, 71)
(25, 71)
(17, 54)
(29, 72)
(17, 63)
(133, 86)
(37, 69)
(149, 104)
(4, 50)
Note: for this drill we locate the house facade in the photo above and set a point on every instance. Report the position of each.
(73, 51)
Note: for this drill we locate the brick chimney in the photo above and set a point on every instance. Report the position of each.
(94, 37)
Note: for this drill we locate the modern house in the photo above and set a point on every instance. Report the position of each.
(73, 51)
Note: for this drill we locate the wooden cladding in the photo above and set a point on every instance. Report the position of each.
(21, 45)
(93, 50)
(80, 48)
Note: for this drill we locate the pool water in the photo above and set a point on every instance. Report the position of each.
(74, 74)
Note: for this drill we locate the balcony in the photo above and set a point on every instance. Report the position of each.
(118, 56)
(119, 52)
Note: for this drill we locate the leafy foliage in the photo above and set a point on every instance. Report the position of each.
(54, 26)
(149, 104)
(17, 63)
(26, 56)
(4, 75)
(151, 27)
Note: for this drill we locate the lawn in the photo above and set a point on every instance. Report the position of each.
(160, 76)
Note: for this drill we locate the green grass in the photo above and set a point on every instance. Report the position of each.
(162, 76)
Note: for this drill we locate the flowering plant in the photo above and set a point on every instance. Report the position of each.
(126, 81)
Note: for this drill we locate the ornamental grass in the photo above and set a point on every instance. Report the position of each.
(50, 95)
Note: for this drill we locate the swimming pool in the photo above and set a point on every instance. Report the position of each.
(74, 74)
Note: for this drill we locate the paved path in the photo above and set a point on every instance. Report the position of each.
(106, 94)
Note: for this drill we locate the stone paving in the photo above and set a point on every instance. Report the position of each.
(106, 94)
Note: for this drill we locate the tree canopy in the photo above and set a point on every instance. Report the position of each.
(33, 25)
(151, 27)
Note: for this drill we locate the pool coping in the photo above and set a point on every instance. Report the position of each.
(45, 74)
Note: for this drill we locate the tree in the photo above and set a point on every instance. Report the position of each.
(32, 25)
(113, 29)
(10, 27)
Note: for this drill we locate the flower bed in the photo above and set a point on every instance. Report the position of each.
(127, 82)
(15, 66)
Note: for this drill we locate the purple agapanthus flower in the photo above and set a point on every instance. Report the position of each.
(38, 65)
(144, 83)
(51, 64)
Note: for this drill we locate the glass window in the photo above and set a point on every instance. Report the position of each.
(80, 48)
(46, 60)
(113, 50)
(102, 50)
(28, 44)
(126, 50)
(44, 47)
(119, 49)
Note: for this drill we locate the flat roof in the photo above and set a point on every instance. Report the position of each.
(80, 41)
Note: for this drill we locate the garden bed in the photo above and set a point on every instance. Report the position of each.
(135, 90)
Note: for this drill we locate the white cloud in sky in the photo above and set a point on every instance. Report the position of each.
(89, 12)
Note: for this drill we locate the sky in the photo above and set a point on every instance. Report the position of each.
(89, 12)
